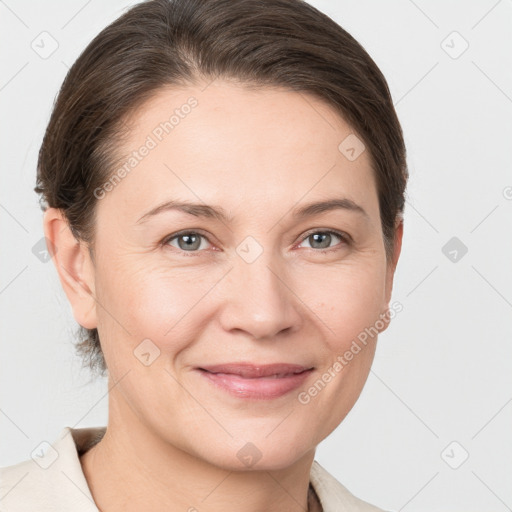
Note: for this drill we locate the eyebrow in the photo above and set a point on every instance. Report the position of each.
(217, 212)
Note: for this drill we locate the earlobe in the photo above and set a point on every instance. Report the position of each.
(74, 266)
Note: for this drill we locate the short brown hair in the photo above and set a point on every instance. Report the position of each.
(158, 43)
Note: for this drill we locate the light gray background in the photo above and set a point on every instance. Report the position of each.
(442, 371)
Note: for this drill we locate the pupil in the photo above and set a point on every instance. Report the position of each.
(190, 240)
(326, 237)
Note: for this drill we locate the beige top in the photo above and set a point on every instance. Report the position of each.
(53, 480)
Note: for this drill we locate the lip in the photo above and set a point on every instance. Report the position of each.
(264, 382)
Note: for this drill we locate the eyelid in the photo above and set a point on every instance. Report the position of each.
(168, 238)
(342, 234)
(346, 241)
(345, 237)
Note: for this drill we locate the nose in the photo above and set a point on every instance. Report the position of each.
(259, 300)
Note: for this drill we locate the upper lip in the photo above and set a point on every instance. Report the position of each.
(251, 371)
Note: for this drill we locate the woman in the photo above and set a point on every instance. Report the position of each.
(223, 187)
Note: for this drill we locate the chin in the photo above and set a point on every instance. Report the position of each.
(260, 454)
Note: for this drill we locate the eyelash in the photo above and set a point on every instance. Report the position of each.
(345, 238)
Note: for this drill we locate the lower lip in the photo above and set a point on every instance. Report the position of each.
(263, 388)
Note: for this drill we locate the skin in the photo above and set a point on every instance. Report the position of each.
(172, 438)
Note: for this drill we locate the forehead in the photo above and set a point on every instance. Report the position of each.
(223, 143)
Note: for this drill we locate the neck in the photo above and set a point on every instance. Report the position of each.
(133, 469)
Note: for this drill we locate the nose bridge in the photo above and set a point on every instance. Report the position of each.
(262, 305)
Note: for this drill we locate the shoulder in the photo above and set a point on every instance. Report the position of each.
(15, 481)
(52, 479)
(334, 496)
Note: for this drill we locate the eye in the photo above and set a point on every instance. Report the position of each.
(191, 241)
(322, 239)
(188, 241)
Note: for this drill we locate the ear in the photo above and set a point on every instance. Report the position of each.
(74, 266)
(391, 267)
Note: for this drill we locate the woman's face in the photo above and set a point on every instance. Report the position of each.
(260, 285)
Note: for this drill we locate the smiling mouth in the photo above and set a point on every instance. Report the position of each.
(251, 370)
(249, 381)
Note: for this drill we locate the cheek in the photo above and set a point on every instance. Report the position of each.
(350, 301)
(144, 300)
